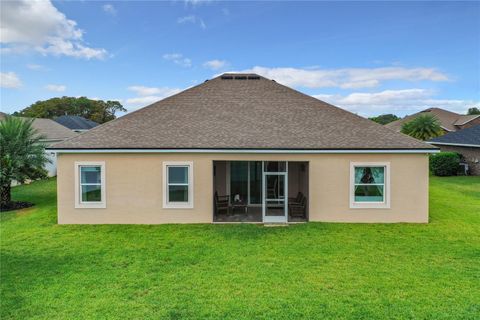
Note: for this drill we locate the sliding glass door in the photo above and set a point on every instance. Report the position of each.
(239, 181)
(246, 182)
(255, 168)
(262, 183)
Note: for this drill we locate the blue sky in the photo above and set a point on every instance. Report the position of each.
(367, 57)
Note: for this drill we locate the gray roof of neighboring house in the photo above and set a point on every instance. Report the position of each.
(468, 136)
(76, 122)
(241, 111)
(50, 129)
(447, 119)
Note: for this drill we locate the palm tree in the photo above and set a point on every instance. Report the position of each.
(22, 156)
(423, 127)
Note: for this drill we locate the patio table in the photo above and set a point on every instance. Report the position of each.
(239, 205)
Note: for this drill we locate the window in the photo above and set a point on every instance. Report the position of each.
(90, 185)
(178, 185)
(369, 185)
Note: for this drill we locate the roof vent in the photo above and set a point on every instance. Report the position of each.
(240, 77)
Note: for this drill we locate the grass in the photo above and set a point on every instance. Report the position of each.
(314, 270)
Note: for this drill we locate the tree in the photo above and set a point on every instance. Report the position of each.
(473, 110)
(96, 110)
(423, 127)
(384, 118)
(22, 156)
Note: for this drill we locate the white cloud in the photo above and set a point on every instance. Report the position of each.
(187, 19)
(99, 98)
(196, 2)
(149, 91)
(143, 101)
(399, 102)
(10, 80)
(346, 78)
(36, 67)
(60, 47)
(56, 87)
(178, 58)
(192, 19)
(149, 95)
(215, 64)
(38, 25)
(110, 9)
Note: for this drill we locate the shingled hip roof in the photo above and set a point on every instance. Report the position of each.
(76, 122)
(466, 137)
(241, 111)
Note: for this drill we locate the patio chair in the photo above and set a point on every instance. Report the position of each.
(298, 210)
(297, 199)
(221, 203)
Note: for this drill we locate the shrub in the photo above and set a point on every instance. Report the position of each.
(444, 163)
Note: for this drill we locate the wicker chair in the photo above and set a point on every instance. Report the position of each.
(298, 210)
(297, 199)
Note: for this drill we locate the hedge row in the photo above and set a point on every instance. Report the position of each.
(445, 163)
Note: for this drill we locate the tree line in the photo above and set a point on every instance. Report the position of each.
(99, 111)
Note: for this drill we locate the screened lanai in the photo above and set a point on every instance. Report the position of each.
(260, 191)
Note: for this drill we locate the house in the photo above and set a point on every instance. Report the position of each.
(241, 148)
(449, 121)
(76, 123)
(53, 133)
(466, 142)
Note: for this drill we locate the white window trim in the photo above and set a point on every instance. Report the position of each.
(386, 192)
(178, 205)
(79, 204)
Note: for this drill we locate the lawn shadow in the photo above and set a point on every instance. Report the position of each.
(7, 215)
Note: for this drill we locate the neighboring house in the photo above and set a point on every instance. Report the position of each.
(76, 123)
(466, 142)
(449, 121)
(53, 133)
(241, 147)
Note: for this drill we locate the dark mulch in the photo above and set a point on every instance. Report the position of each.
(16, 205)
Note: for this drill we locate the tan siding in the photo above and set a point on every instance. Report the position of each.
(134, 188)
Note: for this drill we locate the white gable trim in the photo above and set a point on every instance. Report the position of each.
(461, 124)
(455, 144)
(445, 129)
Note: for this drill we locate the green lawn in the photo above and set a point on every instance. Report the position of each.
(314, 270)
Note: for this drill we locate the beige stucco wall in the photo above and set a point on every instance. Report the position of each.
(134, 188)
